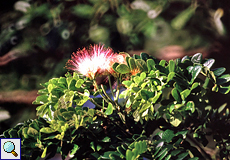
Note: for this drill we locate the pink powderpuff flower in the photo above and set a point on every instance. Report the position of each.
(92, 62)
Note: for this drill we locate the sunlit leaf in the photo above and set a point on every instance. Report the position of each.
(171, 66)
(195, 72)
(197, 58)
(209, 63)
(175, 120)
(109, 109)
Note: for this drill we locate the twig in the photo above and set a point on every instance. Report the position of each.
(198, 145)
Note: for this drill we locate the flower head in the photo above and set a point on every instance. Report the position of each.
(92, 61)
(135, 71)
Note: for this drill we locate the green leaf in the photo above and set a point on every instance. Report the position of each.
(221, 108)
(209, 63)
(41, 99)
(185, 58)
(176, 95)
(175, 152)
(129, 155)
(136, 116)
(137, 148)
(72, 84)
(24, 132)
(68, 98)
(141, 65)
(109, 109)
(62, 80)
(44, 153)
(74, 150)
(176, 120)
(121, 151)
(122, 68)
(42, 109)
(162, 63)
(182, 156)
(194, 85)
(190, 68)
(183, 133)
(156, 97)
(137, 79)
(144, 56)
(223, 79)
(142, 76)
(127, 60)
(71, 109)
(144, 107)
(135, 56)
(50, 87)
(171, 66)
(162, 69)
(145, 94)
(195, 72)
(35, 125)
(13, 133)
(184, 94)
(227, 112)
(168, 157)
(91, 112)
(114, 66)
(150, 64)
(224, 89)
(67, 115)
(163, 155)
(177, 106)
(32, 132)
(106, 139)
(106, 155)
(128, 103)
(168, 135)
(132, 64)
(79, 83)
(143, 147)
(162, 152)
(197, 58)
(170, 76)
(190, 106)
(219, 71)
(47, 130)
(127, 83)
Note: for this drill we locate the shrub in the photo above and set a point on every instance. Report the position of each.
(148, 108)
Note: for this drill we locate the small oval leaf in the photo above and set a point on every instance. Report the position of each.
(109, 109)
(122, 68)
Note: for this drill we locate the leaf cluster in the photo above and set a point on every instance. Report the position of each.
(166, 113)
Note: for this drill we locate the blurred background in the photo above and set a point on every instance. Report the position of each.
(37, 37)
